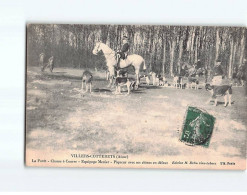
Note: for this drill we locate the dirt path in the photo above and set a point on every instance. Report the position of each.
(146, 122)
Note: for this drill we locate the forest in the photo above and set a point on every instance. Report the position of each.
(165, 48)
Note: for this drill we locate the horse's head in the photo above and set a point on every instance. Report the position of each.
(97, 48)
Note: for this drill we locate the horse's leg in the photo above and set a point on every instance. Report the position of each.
(137, 77)
(110, 81)
(90, 85)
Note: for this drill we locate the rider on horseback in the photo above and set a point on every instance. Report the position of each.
(122, 54)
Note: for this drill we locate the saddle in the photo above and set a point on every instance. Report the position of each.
(121, 55)
(121, 58)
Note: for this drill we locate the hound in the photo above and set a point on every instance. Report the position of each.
(107, 75)
(122, 80)
(216, 91)
(157, 79)
(178, 82)
(153, 74)
(193, 82)
(87, 78)
(147, 78)
(161, 80)
(122, 73)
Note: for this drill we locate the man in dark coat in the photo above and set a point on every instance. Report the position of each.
(218, 73)
(199, 64)
(122, 54)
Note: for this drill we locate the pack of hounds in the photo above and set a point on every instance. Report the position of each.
(122, 80)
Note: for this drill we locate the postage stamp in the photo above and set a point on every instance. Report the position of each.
(198, 127)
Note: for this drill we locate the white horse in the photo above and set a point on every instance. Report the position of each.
(132, 60)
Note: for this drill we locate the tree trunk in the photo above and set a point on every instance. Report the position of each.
(172, 47)
(242, 47)
(180, 54)
(233, 59)
(230, 60)
(164, 59)
(192, 46)
(217, 44)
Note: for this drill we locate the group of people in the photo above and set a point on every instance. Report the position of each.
(217, 71)
(49, 64)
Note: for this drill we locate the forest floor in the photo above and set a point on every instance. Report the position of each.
(146, 122)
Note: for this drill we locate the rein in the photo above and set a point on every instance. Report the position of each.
(112, 52)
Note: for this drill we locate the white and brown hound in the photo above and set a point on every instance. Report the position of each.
(87, 79)
(147, 78)
(178, 82)
(123, 80)
(157, 79)
(216, 91)
(193, 83)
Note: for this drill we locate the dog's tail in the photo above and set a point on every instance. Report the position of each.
(144, 65)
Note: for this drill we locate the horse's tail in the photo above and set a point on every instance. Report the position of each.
(144, 65)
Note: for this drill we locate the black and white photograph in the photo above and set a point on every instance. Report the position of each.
(136, 96)
(123, 96)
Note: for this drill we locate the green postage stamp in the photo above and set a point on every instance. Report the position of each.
(198, 127)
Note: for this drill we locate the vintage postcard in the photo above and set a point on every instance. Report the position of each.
(136, 96)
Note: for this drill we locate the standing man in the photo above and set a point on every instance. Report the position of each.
(218, 73)
(122, 54)
(200, 70)
(198, 64)
(41, 60)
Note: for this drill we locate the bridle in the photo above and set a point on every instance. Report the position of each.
(112, 52)
(98, 47)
